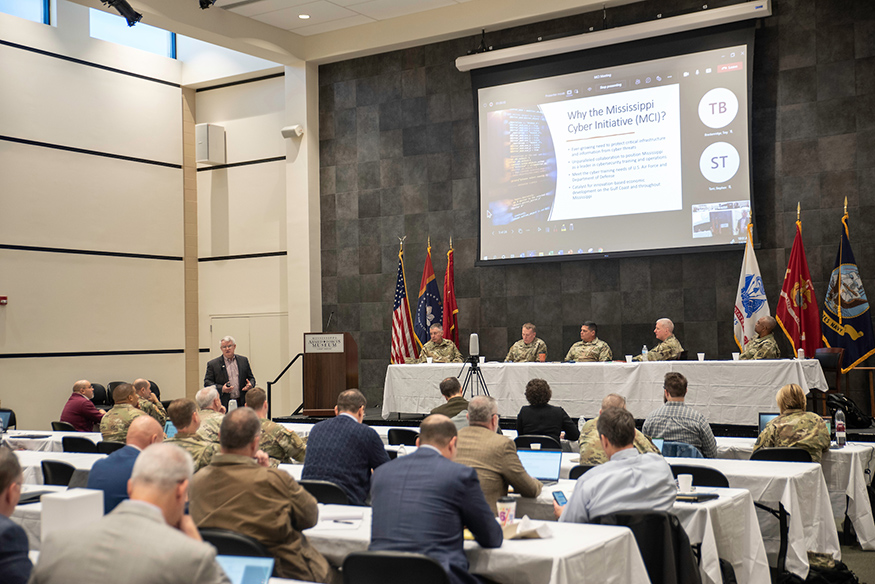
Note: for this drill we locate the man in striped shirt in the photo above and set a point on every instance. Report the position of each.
(677, 422)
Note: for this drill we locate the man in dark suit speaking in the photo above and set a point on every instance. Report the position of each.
(230, 373)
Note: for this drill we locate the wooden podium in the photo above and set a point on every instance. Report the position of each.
(331, 365)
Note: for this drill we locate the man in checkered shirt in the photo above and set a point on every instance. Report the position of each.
(677, 422)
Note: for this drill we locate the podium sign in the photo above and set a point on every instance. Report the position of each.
(331, 365)
(323, 343)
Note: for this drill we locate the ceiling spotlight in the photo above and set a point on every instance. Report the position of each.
(303, 16)
(206, 4)
(123, 8)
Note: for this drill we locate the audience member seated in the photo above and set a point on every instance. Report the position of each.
(423, 501)
(542, 419)
(677, 422)
(211, 412)
(144, 540)
(456, 406)
(629, 481)
(591, 451)
(183, 414)
(764, 345)
(15, 565)
(528, 349)
(281, 445)
(492, 455)
(79, 410)
(440, 350)
(111, 474)
(669, 347)
(343, 450)
(149, 402)
(238, 491)
(795, 426)
(114, 425)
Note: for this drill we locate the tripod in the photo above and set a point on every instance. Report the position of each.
(474, 376)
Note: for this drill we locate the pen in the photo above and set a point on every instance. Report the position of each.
(341, 521)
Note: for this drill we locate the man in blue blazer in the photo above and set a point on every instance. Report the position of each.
(230, 373)
(422, 502)
(15, 566)
(111, 474)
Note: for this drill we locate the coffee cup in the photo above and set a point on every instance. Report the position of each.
(428, 360)
(685, 483)
(506, 510)
(701, 356)
(628, 358)
(735, 356)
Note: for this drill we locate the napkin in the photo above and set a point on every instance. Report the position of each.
(525, 528)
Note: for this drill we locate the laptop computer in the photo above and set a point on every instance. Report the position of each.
(765, 418)
(544, 465)
(658, 442)
(246, 569)
(169, 429)
(4, 420)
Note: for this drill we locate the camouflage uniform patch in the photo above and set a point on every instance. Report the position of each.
(591, 451)
(154, 410)
(520, 352)
(796, 428)
(200, 449)
(444, 352)
(211, 420)
(761, 348)
(596, 350)
(280, 443)
(114, 424)
(668, 349)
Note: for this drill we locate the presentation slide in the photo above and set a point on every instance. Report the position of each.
(651, 155)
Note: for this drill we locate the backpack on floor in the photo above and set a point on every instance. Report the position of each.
(854, 416)
(841, 574)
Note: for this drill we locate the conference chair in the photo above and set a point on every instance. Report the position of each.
(399, 436)
(100, 400)
(326, 492)
(681, 450)
(231, 543)
(155, 389)
(703, 476)
(12, 422)
(782, 454)
(580, 469)
(56, 472)
(109, 388)
(830, 359)
(526, 441)
(62, 427)
(79, 444)
(108, 446)
(392, 568)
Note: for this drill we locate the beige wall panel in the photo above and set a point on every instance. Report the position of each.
(37, 389)
(52, 198)
(242, 210)
(95, 109)
(72, 302)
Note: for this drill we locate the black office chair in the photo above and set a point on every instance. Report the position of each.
(782, 454)
(166, 404)
(101, 399)
(703, 476)
(681, 357)
(109, 388)
(108, 446)
(399, 436)
(62, 427)
(546, 442)
(830, 359)
(577, 471)
(56, 472)
(79, 444)
(231, 543)
(392, 568)
(325, 492)
(12, 422)
(155, 389)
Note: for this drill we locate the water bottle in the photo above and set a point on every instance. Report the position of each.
(402, 451)
(232, 405)
(644, 352)
(840, 428)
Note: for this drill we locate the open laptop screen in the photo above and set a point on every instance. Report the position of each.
(542, 464)
(765, 418)
(246, 569)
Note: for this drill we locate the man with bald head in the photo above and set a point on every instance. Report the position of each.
(211, 412)
(591, 450)
(149, 402)
(114, 425)
(79, 411)
(669, 347)
(111, 474)
(763, 346)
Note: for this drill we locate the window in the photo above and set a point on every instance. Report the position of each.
(113, 28)
(35, 10)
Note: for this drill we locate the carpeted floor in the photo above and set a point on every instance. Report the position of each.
(861, 563)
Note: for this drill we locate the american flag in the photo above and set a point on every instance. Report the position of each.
(402, 324)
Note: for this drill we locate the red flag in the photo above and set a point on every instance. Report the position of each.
(797, 311)
(402, 325)
(451, 309)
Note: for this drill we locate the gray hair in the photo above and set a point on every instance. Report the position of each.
(667, 323)
(206, 397)
(436, 326)
(10, 468)
(163, 466)
(227, 339)
(481, 409)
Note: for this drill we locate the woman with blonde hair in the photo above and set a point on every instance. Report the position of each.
(795, 426)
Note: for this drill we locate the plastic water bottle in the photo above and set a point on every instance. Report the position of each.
(840, 428)
(644, 352)
(402, 451)
(232, 405)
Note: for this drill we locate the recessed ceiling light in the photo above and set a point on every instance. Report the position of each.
(303, 16)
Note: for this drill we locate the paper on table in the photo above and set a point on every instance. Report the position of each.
(525, 528)
(339, 513)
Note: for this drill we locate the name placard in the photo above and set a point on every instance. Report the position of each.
(323, 343)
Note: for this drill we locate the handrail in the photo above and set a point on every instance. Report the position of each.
(270, 383)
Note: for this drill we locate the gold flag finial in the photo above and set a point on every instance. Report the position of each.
(401, 243)
(429, 241)
(451, 240)
(846, 205)
(798, 210)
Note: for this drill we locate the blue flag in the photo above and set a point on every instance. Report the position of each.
(846, 321)
(429, 309)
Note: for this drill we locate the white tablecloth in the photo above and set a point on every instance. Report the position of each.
(44, 441)
(30, 516)
(33, 473)
(800, 488)
(725, 392)
(575, 553)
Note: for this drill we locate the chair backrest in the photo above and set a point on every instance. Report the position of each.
(78, 444)
(392, 568)
(108, 446)
(782, 454)
(231, 543)
(155, 389)
(326, 492)
(403, 436)
(680, 450)
(56, 472)
(577, 471)
(831, 362)
(100, 396)
(545, 442)
(703, 476)
(109, 387)
(62, 427)
(12, 422)
(681, 357)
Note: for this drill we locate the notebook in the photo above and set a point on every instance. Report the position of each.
(169, 429)
(765, 418)
(544, 465)
(246, 569)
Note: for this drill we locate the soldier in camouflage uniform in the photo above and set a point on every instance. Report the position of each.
(529, 348)
(669, 347)
(590, 347)
(763, 346)
(591, 451)
(114, 424)
(440, 350)
(149, 402)
(211, 413)
(183, 414)
(795, 426)
(280, 444)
